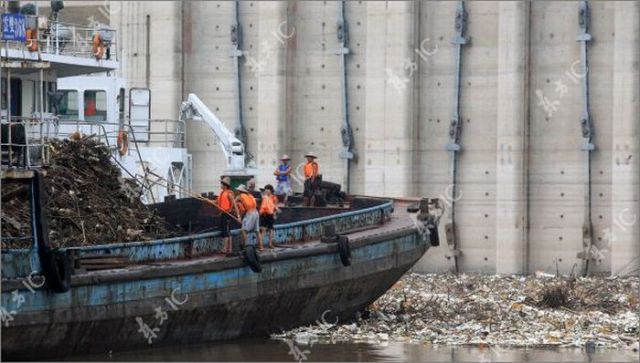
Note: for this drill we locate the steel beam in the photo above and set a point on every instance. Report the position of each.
(455, 128)
(345, 130)
(587, 135)
(236, 53)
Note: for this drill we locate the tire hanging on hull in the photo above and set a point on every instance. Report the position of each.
(252, 259)
(344, 250)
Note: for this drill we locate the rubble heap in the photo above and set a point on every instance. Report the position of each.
(495, 311)
(86, 201)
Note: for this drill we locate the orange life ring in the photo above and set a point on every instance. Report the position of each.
(98, 46)
(123, 143)
(32, 40)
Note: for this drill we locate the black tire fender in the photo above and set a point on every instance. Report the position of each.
(434, 236)
(252, 259)
(344, 250)
(56, 267)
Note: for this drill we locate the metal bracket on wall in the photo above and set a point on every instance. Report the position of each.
(459, 39)
(345, 130)
(587, 134)
(236, 52)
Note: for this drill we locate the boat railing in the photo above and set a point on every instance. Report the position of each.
(25, 140)
(157, 132)
(48, 36)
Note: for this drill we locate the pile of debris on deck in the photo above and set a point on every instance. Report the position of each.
(87, 201)
(494, 310)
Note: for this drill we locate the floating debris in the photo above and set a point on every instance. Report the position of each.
(87, 201)
(495, 310)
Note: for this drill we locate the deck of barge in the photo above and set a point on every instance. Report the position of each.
(400, 222)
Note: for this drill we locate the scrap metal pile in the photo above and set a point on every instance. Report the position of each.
(87, 202)
(495, 311)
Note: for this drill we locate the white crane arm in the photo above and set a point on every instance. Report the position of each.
(233, 148)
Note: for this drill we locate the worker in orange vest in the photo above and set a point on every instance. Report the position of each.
(268, 209)
(250, 217)
(227, 203)
(311, 171)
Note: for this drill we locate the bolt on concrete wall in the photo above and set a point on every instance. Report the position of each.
(522, 176)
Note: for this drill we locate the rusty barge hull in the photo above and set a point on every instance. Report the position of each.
(214, 298)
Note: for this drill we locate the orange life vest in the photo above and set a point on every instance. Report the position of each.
(32, 39)
(248, 202)
(268, 205)
(223, 200)
(309, 168)
(98, 46)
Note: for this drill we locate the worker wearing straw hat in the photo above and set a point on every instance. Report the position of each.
(250, 217)
(282, 174)
(311, 172)
(227, 204)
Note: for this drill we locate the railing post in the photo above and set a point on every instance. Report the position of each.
(42, 108)
(46, 149)
(27, 151)
(42, 143)
(57, 38)
(9, 147)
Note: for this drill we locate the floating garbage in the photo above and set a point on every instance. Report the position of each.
(496, 310)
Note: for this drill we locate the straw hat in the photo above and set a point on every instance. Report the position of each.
(285, 157)
(310, 154)
(242, 189)
(226, 181)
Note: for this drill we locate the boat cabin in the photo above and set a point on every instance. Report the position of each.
(37, 50)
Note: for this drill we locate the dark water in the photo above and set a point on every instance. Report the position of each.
(269, 351)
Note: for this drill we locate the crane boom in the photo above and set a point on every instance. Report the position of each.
(233, 149)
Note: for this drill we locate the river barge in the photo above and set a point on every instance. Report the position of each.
(182, 291)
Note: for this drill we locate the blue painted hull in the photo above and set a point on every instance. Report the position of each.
(205, 299)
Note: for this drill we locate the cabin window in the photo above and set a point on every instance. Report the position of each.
(68, 106)
(53, 88)
(33, 103)
(95, 106)
(49, 89)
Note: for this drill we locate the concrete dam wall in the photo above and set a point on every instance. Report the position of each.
(523, 116)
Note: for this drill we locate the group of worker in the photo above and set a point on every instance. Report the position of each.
(244, 209)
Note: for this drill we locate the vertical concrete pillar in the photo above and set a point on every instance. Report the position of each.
(388, 155)
(274, 33)
(623, 238)
(127, 17)
(510, 156)
(210, 75)
(436, 97)
(316, 106)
